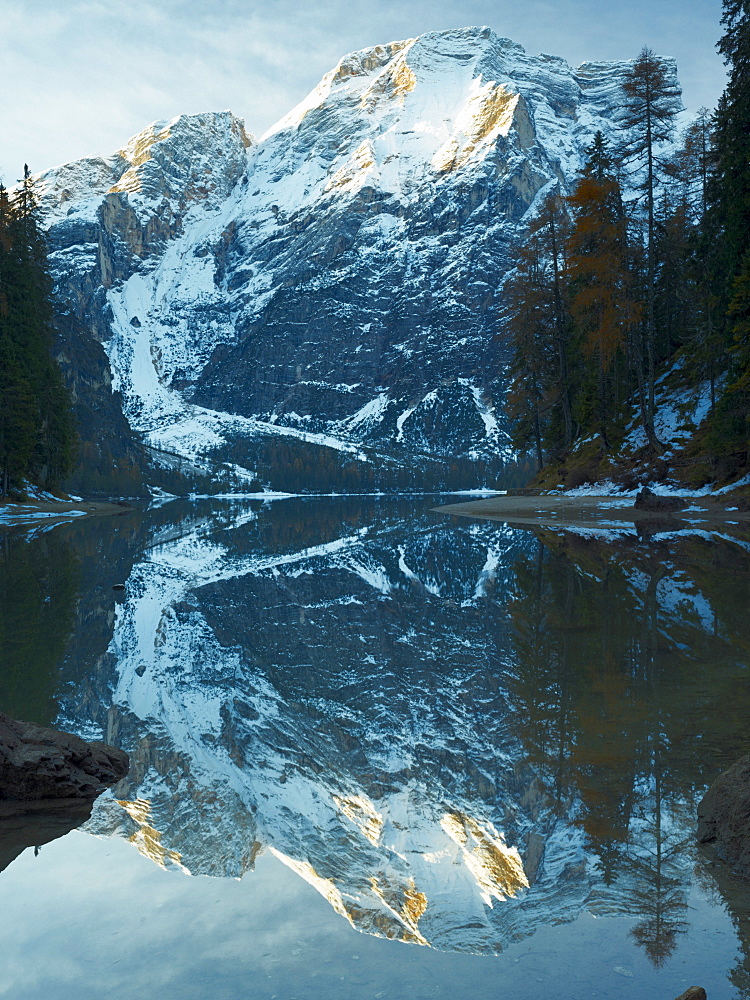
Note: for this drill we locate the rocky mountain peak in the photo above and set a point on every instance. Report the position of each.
(338, 282)
(190, 158)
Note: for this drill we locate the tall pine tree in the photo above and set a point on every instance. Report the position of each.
(729, 211)
(652, 100)
(37, 436)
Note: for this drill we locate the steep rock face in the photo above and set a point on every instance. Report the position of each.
(111, 459)
(337, 281)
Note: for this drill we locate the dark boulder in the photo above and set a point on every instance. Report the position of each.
(694, 993)
(724, 816)
(38, 763)
(650, 501)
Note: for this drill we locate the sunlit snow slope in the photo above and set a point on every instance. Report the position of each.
(335, 281)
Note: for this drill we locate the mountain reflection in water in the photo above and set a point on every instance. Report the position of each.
(456, 732)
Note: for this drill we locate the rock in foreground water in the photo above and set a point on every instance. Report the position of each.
(39, 763)
(724, 815)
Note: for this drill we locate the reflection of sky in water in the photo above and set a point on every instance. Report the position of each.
(90, 918)
(446, 733)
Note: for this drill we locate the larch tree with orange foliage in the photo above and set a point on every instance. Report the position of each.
(603, 306)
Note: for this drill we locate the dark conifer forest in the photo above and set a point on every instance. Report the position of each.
(37, 433)
(634, 291)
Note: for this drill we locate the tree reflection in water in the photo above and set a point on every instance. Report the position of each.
(38, 596)
(631, 693)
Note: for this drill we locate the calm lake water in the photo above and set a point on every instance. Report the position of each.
(377, 752)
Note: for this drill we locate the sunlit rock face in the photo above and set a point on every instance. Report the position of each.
(337, 280)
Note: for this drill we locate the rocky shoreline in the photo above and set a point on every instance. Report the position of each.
(48, 783)
(724, 817)
(38, 764)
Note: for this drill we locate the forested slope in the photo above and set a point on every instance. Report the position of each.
(629, 308)
(37, 434)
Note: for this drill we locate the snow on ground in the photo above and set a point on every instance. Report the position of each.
(18, 514)
(368, 415)
(745, 481)
(479, 492)
(679, 412)
(197, 431)
(611, 490)
(610, 532)
(491, 428)
(402, 418)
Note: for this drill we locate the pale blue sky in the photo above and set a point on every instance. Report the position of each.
(81, 77)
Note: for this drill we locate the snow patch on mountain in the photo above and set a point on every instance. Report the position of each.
(361, 242)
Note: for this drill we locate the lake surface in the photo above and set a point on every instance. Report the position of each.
(377, 752)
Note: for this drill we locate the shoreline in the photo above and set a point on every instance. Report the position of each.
(592, 511)
(32, 510)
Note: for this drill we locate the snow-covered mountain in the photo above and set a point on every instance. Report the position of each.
(335, 282)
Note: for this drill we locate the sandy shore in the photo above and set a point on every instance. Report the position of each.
(56, 510)
(711, 513)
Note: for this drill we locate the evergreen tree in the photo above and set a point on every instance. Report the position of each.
(37, 436)
(529, 314)
(537, 316)
(702, 335)
(729, 434)
(550, 230)
(732, 137)
(729, 214)
(652, 100)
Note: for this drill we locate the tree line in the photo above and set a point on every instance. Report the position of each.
(642, 272)
(37, 433)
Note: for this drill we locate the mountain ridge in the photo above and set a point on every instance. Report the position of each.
(335, 282)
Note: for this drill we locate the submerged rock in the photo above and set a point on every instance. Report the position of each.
(724, 815)
(39, 763)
